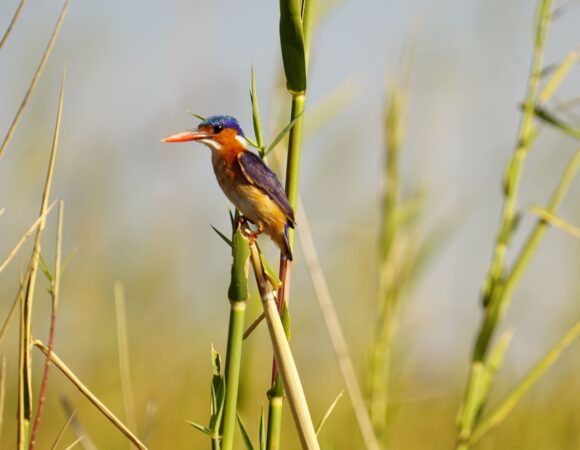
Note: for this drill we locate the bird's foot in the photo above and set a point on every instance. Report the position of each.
(244, 223)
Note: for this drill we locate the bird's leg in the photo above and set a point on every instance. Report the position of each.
(244, 222)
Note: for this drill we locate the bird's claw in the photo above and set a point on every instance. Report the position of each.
(244, 224)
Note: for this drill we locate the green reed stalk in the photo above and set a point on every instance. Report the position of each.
(238, 295)
(295, 26)
(387, 292)
(498, 286)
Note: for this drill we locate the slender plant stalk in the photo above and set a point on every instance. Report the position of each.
(497, 289)
(335, 332)
(388, 289)
(2, 392)
(492, 289)
(238, 294)
(89, 395)
(480, 372)
(35, 79)
(295, 31)
(124, 366)
(54, 292)
(25, 397)
(22, 426)
(12, 22)
(283, 354)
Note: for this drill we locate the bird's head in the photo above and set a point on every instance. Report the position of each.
(217, 132)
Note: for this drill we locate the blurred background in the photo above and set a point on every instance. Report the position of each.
(139, 212)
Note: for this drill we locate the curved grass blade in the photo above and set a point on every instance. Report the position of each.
(281, 135)
(328, 413)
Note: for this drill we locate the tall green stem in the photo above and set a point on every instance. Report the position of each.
(238, 295)
(295, 31)
(498, 286)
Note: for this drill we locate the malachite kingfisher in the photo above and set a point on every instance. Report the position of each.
(244, 177)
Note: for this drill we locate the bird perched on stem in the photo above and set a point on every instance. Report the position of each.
(244, 177)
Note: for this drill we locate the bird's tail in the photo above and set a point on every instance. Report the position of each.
(285, 247)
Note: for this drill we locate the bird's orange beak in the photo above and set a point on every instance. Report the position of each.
(190, 135)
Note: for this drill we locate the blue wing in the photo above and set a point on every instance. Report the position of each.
(260, 175)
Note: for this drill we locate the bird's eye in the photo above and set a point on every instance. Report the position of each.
(217, 128)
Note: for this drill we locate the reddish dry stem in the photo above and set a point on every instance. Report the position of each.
(43, 386)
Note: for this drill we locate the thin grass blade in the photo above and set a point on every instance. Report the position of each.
(256, 114)
(35, 79)
(62, 431)
(328, 413)
(12, 22)
(24, 237)
(281, 135)
(123, 349)
(245, 435)
(226, 239)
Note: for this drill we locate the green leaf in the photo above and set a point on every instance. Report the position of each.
(201, 428)
(223, 236)
(45, 269)
(292, 45)
(245, 435)
(281, 135)
(253, 144)
(271, 274)
(239, 289)
(549, 118)
(256, 114)
(286, 320)
(328, 412)
(218, 391)
(200, 117)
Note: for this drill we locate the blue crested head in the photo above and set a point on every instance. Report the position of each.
(223, 121)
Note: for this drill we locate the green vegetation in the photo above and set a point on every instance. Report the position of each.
(146, 375)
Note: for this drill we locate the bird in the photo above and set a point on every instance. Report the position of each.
(245, 178)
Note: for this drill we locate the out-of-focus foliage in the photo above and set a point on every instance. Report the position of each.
(141, 213)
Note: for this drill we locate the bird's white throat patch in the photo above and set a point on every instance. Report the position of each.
(242, 140)
(211, 144)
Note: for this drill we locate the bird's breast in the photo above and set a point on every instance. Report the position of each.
(250, 200)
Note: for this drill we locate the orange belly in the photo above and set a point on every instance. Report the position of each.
(251, 201)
